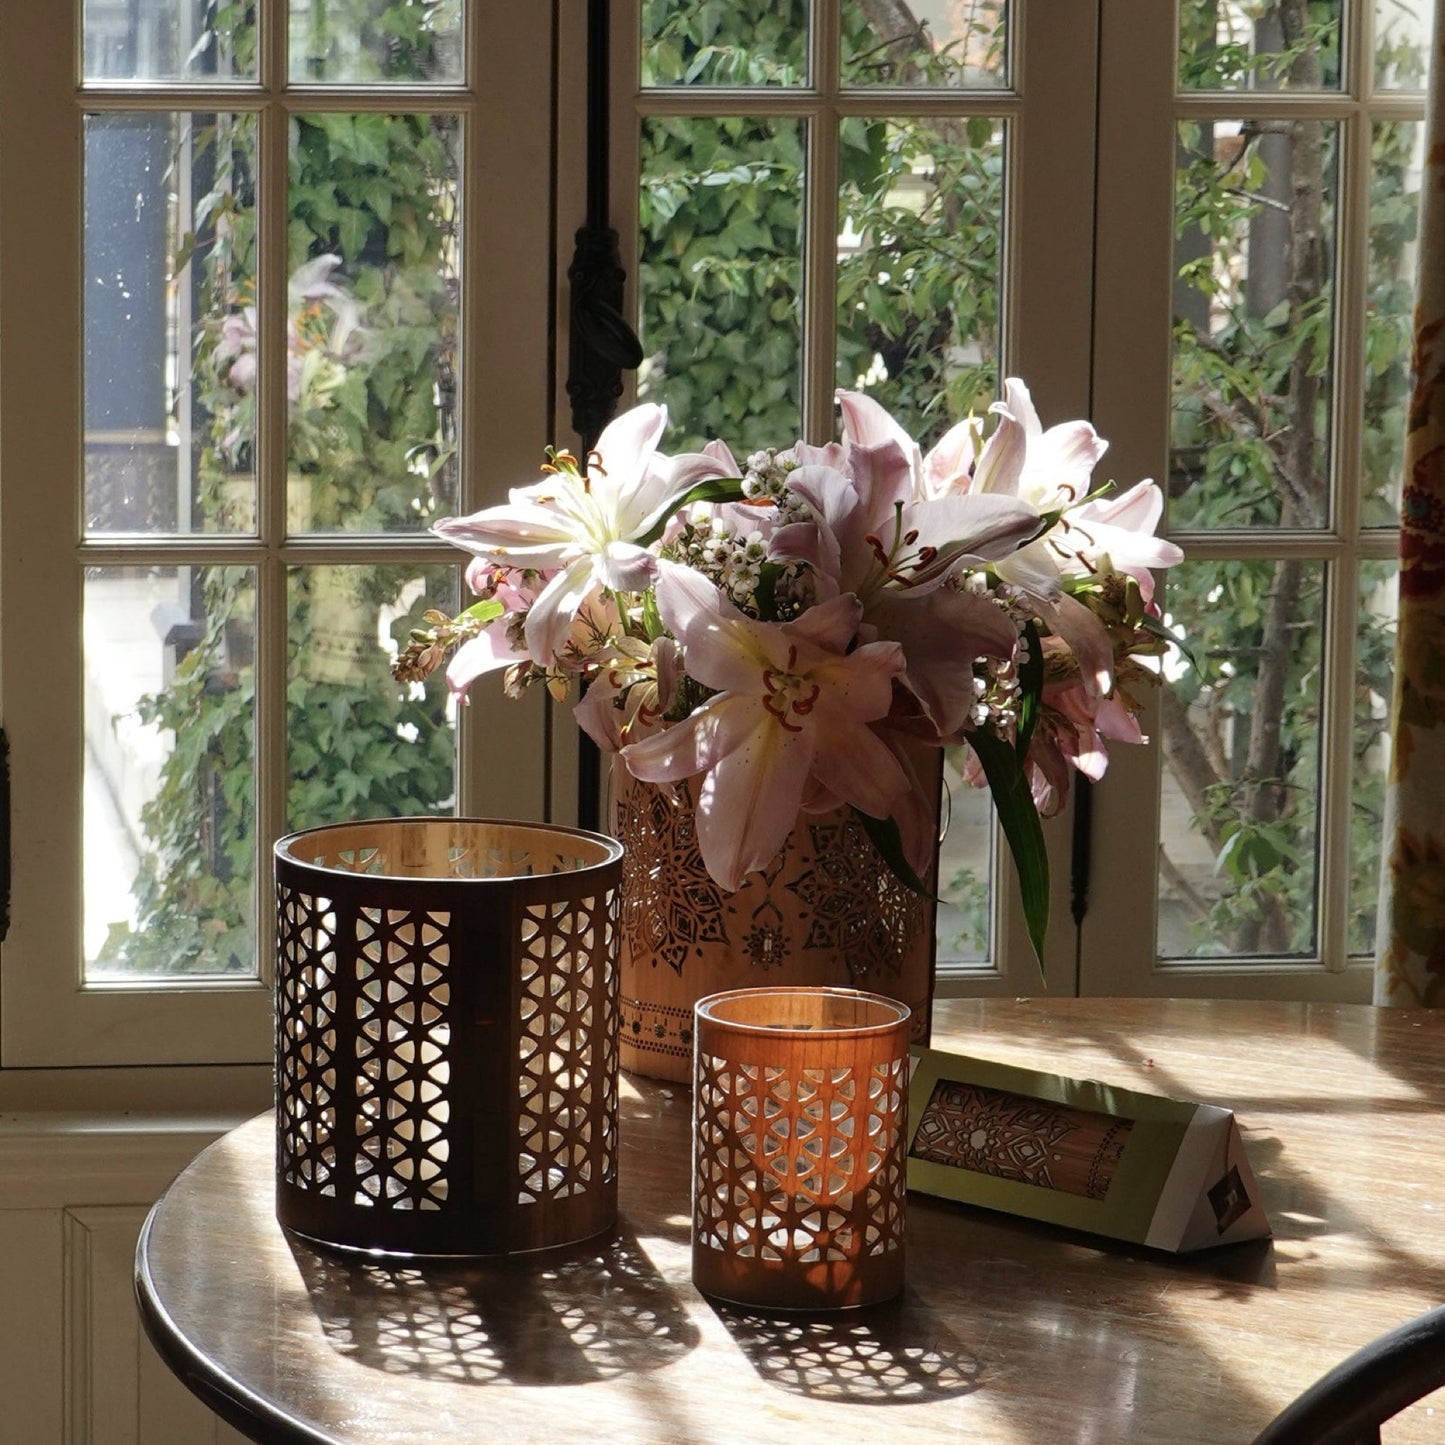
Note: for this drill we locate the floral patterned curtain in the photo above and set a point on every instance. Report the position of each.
(1410, 947)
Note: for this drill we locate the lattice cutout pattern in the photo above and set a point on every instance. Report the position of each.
(567, 1066)
(403, 1058)
(799, 1166)
(306, 1041)
(446, 1042)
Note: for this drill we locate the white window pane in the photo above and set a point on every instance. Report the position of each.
(168, 260)
(359, 744)
(1254, 319)
(919, 266)
(374, 296)
(344, 42)
(1244, 45)
(177, 40)
(1403, 30)
(955, 44)
(1396, 163)
(756, 42)
(169, 772)
(965, 869)
(720, 277)
(1240, 738)
(1375, 680)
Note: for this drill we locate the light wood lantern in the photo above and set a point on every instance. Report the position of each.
(800, 1100)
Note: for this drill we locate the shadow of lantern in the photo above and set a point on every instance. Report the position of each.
(589, 1312)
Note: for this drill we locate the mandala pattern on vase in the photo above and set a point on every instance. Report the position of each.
(826, 910)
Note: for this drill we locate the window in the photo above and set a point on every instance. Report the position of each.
(832, 195)
(1290, 137)
(278, 286)
(295, 270)
(904, 199)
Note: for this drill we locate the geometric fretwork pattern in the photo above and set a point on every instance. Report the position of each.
(447, 1035)
(799, 1165)
(566, 1048)
(826, 910)
(306, 1041)
(1028, 1140)
(402, 1063)
(858, 908)
(670, 904)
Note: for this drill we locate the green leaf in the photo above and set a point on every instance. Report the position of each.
(718, 489)
(1014, 802)
(885, 837)
(353, 228)
(487, 610)
(371, 141)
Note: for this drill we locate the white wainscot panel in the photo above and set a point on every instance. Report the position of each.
(75, 1365)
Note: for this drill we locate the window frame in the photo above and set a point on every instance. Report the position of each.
(1139, 109)
(1088, 232)
(48, 1016)
(1046, 331)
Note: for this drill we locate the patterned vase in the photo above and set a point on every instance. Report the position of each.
(826, 911)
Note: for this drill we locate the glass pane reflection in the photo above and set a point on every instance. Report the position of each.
(1374, 685)
(1240, 738)
(176, 40)
(1403, 37)
(170, 797)
(1243, 45)
(965, 869)
(919, 282)
(169, 207)
(1254, 317)
(758, 42)
(720, 276)
(348, 42)
(1396, 163)
(931, 44)
(358, 743)
(373, 299)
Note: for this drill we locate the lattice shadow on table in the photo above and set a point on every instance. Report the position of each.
(893, 1354)
(592, 1311)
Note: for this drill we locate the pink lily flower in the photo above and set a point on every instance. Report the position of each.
(880, 537)
(790, 717)
(1050, 470)
(1072, 730)
(584, 529)
(632, 685)
(1122, 528)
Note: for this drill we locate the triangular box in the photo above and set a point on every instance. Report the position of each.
(1161, 1172)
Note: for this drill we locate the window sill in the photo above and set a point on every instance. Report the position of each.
(185, 1090)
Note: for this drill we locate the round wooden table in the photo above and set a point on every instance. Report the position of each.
(1007, 1331)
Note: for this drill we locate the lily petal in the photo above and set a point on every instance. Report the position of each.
(748, 803)
(480, 655)
(1088, 640)
(1001, 463)
(949, 465)
(856, 765)
(549, 620)
(626, 567)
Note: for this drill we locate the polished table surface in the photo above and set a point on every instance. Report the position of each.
(1007, 1330)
